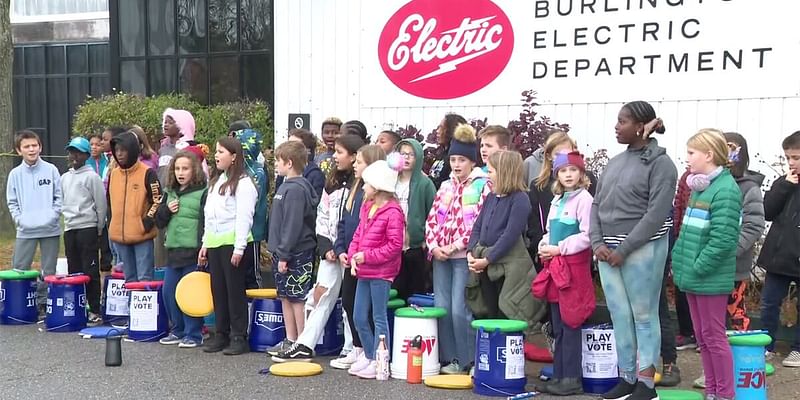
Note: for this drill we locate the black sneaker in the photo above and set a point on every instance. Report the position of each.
(298, 352)
(567, 387)
(283, 345)
(238, 346)
(642, 392)
(216, 344)
(670, 375)
(622, 391)
(685, 342)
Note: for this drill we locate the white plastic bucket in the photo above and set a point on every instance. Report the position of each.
(405, 329)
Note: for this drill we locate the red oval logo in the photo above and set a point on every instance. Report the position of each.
(445, 49)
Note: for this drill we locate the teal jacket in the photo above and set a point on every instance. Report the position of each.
(251, 141)
(704, 257)
(420, 196)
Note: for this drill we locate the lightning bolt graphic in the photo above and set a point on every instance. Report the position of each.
(451, 65)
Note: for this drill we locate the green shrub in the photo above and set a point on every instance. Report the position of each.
(211, 122)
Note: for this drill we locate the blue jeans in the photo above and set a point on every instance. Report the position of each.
(776, 287)
(372, 294)
(456, 336)
(137, 260)
(632, 294)
(182, 324)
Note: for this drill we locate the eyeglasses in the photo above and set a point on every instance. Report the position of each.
(407, 155)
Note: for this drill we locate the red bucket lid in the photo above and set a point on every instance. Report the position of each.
(144, 285)
(117, 275)
(67, 280)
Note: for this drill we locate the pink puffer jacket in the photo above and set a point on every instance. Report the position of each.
(381, 240)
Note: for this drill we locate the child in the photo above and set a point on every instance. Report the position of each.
(180, 215)
(375, 255)
(172, 132)
(97, 160)
(292, 230)
(540, 193)
(493, 139)
(388, 140)
(345, 229)
(440, 169)
(630, 237)
(415, 194)
(33, 196)
(229, 210)
(704, 257)
(566, 252)
(311, 172)
(330, 130)
(251, 145)
(84, 219)
(147, 155)
(134, 195)
(326, 290)
(780, 255)
(497, 254)
(455, 209)
(355, 127)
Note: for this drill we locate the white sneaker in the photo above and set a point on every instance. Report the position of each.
(792, 360)
(348, 360)
(361, 363)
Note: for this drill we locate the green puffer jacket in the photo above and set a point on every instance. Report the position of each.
(704, 257)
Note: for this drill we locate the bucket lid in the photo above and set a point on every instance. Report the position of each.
(16, 275)
(143, 285)
(79, 279)
(677, 394)
(756, 340)
(428, 312)
(392, 293)
(395, 303)
(504, 325)
(117, 275)
(262, 293)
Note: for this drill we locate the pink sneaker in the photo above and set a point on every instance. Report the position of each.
(369, 372)
(360, 364)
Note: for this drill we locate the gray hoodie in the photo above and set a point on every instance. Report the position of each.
(33, 195)
(633, 200)
(292, 219)
(533, 165)
(84, 204)
(753, 224)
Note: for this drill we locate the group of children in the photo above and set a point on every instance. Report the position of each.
(372, 220)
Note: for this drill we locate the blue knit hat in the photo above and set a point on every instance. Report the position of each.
(464, 143)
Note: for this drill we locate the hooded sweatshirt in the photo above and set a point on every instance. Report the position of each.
(33, 195)
(84, 199)
(293, 219)
(134, 195)
(251, 143)
(532, 165)
(420, 196)
(633, 200)
(229, 216)
(313, 175)
(330, 210)
(455, 210)
(753, 224)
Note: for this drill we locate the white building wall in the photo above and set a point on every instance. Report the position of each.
(324, 66)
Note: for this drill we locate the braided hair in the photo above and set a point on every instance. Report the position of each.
(642, 112)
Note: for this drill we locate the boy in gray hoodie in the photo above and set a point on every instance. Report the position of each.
(84, 211)
(33, 195)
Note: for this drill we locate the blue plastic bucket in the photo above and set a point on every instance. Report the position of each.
(18, 302)
(115, 298)
(599, 359)
(332, 339)
(421, 299)
(149, 321)
(749, 365)
(158, 273)
(499, 362)
(66, 307)
(266, 324)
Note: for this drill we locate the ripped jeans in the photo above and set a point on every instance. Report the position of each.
(329, 275)
(632, 293)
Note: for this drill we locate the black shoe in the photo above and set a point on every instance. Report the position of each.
(544, 387)
(622, 391)
(283, 345)
(670, 375)
(238, 346)
(642, 392)
(216, 344)
(567, 387)
(298, 352)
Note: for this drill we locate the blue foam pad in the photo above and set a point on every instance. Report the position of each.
(422, 300)
(547, 373)
(100, 332)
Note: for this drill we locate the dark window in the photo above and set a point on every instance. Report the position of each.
(34, 60)
(56, 60)
(98, 58)
(213, 50)
(77, 59)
